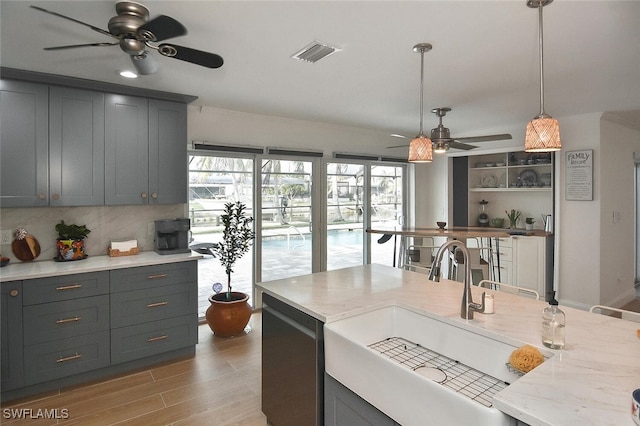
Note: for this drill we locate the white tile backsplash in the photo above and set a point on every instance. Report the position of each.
(107, 223)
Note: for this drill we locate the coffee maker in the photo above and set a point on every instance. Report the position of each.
(172, 236)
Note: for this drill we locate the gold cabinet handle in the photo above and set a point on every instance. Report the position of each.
(154, 195)
(155, 339)
(56, 196)
(41, 196)
(69, 358)
(69, 287)
(14, 293)
(157, 304)
(66, 320)
(144, 195)
(156, 276)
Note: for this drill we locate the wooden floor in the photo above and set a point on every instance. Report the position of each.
(219, 386)
(633, 306)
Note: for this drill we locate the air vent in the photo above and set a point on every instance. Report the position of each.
(314, 52)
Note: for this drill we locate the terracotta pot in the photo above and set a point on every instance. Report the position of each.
(228, 317)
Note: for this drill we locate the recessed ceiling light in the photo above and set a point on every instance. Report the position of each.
(128, 74)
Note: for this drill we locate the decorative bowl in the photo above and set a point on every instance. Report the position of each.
(441, 225)
(4, 261)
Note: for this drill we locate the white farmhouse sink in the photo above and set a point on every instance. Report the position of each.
(401, 390)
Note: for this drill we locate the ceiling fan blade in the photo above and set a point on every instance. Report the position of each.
(500, 137)
(198, 57)
(398, 146)
(462, 146)
(100, 30)
(73, 46)
(161, 28)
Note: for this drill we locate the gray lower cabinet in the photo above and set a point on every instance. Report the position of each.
(24, 144)
(343, 407)
(145, 151)
(11, 346)
(64, 330)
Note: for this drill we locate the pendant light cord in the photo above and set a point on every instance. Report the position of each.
(421, 88)
(541, 49)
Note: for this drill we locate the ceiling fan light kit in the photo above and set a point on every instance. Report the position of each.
(543, 132)
(420, 149)
(135, 34)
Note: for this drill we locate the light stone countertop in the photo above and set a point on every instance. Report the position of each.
(588, 383)
(15, 271)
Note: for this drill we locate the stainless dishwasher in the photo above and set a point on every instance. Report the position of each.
(292, 365)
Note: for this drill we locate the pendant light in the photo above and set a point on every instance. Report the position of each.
(543, 132)
(420, 149)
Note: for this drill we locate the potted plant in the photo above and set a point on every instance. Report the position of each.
(513, 216)
(230, 311)
(70, 242)
(528, 223)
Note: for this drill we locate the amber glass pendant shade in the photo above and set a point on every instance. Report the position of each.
(543, 135)
(420, 150)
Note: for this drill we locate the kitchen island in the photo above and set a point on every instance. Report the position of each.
(589, 382)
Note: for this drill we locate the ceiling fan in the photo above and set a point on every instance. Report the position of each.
(442, 140)
(135, 34)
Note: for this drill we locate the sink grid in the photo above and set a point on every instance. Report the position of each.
(473, 384)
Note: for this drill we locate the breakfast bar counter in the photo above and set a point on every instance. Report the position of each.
(457, 232)
(588, 382)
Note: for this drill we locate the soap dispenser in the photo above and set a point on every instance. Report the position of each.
(553, 321)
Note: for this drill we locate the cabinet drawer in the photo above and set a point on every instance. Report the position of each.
(153, 276)
(152, 304)
(49, 361)
(504, 242)
(151, 338)
(53, 289)
(69, 318)
(505, 253)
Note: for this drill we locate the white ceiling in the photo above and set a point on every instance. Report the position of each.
(484, 63)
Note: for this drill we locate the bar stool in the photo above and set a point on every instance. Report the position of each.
(624, 314)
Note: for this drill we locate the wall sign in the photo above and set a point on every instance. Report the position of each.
(579, 175)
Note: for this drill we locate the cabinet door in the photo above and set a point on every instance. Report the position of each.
(167, 152)
(11, 344)
(76, 147)
(529, 263)
(24, 142)
(126, 150)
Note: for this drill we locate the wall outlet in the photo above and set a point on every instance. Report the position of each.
(6, 236)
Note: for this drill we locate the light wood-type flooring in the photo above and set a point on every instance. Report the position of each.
(219, 386)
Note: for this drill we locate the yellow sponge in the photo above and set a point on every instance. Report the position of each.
(526, 358)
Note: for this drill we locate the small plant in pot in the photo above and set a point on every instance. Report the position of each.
(70, 243)
(528, 223)
(229, 312)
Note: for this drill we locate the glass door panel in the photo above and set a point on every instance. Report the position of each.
(387, 210)
(214, 181)
(345, 215)
(286, 218)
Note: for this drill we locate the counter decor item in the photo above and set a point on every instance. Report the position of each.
(635, 406)
(229, 312)
(528, 223)
(553, 322)
(4, 261)
(25, 247)
(483, 217)
(497, 222)
(441, 225)
(513, 216)
(123, 248)
(70, 242)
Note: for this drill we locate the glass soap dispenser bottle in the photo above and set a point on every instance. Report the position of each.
(553, 322)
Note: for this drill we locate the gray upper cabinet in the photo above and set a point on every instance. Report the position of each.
(145, 151)
(24, 143)
(126, 150)
(52, 146)
(76, 147)
(167, 152)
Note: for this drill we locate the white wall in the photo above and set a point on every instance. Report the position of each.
(618, 142)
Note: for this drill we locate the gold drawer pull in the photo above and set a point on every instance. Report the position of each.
(69, 358)
(69, 287)
(155, 339)
(156, 276)
(155, 305)
(63, 321)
